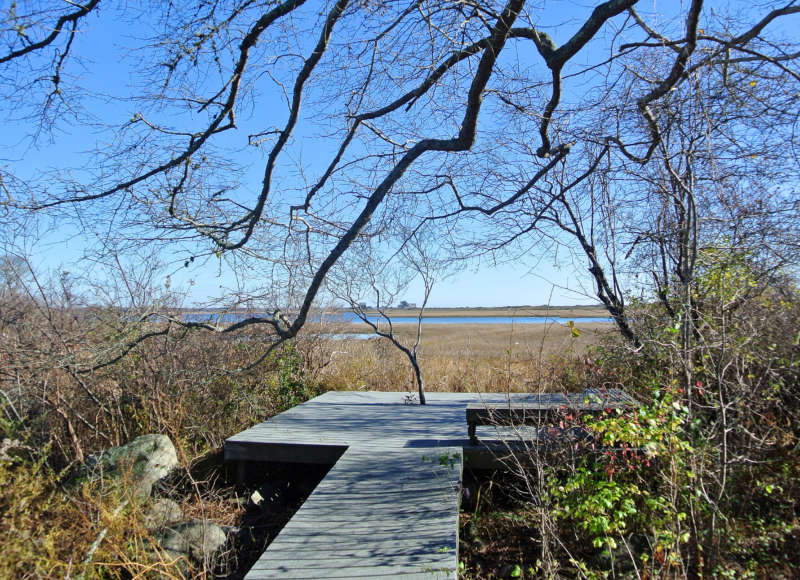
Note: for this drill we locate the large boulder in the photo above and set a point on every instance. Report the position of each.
(147, 459)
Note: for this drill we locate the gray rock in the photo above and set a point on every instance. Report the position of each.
(148, 458)
(162, 512)
(197, 539)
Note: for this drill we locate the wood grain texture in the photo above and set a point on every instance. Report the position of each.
(378, 513)
(319, 430)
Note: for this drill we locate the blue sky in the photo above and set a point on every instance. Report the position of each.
(540, 280)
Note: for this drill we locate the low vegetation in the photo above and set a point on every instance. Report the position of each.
(642, 153)
(701, 481)
(467, 358)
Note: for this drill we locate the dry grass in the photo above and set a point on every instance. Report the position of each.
(93, 530)
(468, 357)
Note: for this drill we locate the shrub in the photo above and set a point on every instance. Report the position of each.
(702, 480)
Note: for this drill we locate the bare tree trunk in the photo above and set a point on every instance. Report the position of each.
(418, 376)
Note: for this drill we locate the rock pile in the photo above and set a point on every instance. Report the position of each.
(144, 461)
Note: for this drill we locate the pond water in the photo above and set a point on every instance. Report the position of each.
(490, 319)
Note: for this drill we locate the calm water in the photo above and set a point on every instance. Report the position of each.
(488, 319)
(231, 317)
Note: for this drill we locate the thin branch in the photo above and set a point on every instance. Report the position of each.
(66, 20)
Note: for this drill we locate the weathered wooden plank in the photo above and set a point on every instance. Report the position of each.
(378, 556)
(397, 573)
(319, 430)
(267, 449)
(345, 528)
(403, 519)
(592, 400)
(399, 541)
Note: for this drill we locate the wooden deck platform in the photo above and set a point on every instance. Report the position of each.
(320, 430)
(377, 514)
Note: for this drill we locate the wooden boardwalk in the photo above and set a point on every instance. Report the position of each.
(377, 514)
(389, 506)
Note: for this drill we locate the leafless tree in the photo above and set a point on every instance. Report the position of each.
(464, 116)
(382, 281)
(698, 156)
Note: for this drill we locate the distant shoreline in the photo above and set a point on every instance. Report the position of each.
(577, 312)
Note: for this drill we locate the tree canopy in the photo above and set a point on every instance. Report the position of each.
(296, 138)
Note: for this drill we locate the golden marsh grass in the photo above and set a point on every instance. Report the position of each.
(467, 357)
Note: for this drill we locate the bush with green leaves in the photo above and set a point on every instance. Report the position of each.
(615, 496)
(703, 478)
(292, 384)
